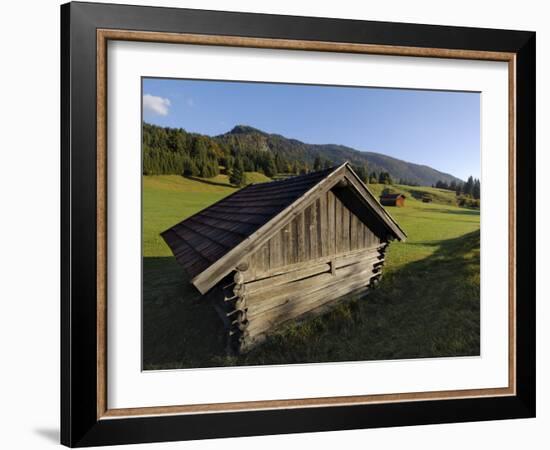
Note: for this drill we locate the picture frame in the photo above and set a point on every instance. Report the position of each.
(86, 418)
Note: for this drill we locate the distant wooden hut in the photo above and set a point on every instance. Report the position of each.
(392, 200)
(278, 251)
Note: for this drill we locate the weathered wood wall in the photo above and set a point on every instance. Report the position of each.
(307, 288)
(324, 228)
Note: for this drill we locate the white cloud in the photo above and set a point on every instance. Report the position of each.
(156, 105)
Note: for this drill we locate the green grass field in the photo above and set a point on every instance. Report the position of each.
(427, 304)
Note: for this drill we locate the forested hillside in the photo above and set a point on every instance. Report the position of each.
(176, 151)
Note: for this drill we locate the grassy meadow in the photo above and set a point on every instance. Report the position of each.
(427, 304)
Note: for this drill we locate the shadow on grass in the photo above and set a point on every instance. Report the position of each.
(213, 183)
(460, 212)
(427, 308)
(179, 330)
(419, 195)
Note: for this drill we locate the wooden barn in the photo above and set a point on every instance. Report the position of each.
(392, 200)
(277, 251)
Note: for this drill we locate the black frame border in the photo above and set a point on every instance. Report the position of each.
(79, 424)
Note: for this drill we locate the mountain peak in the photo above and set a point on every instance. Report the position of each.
(244, 129)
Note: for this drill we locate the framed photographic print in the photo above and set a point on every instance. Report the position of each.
(276, 224)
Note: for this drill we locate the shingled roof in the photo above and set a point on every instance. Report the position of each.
(392, 196)
(208, 239)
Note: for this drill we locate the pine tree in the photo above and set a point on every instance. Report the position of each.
(469, 186)
(362, 173)
(373, 178)
(191, 170)
(384, 178)
(280, 163)
(238, 176)
(317, 164)
(270, 169)
(229, 161)
(476, 191)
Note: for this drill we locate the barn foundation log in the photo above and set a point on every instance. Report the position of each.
(375, 280)
(235, 311)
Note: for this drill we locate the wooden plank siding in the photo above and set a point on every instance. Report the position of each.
(293, 294)
(325, 227)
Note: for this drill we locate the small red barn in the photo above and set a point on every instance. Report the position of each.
(392, 200)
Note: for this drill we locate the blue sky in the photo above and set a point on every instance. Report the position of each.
(438, 128)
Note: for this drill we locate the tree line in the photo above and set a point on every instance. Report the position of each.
(471, 188)
(174, 151)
